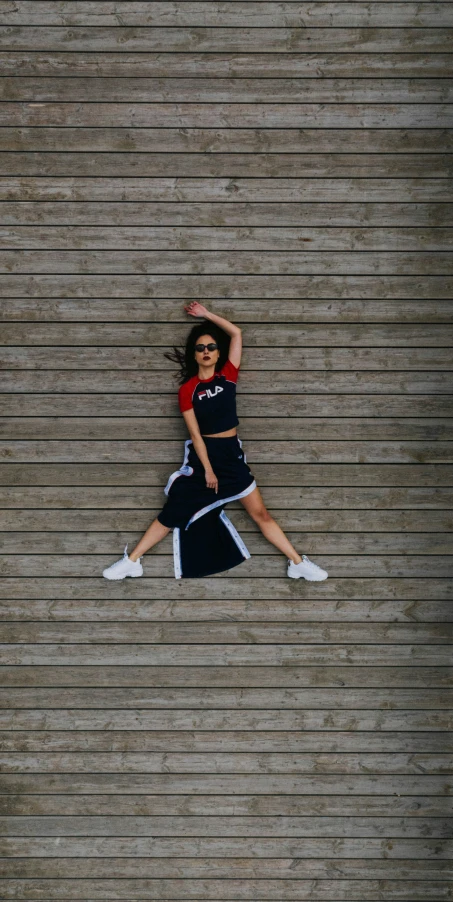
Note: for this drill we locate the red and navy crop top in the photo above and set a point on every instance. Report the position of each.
(213, 400)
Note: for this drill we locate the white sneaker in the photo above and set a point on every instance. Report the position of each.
(306, 569)
(123, 567)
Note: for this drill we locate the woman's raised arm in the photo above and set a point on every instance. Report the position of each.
(235, 352)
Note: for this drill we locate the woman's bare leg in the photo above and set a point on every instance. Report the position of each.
(254, 506)
(152, 536)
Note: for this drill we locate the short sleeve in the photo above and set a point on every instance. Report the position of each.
(230, 371)
(185, 397)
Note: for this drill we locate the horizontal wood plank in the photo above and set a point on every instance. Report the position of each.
(244, 676)
(228, 262)
(54, 165)
(230, 238)
(336, 741)
(372, 846)
(234, 830)
(85, 286)
(231, 783)
(340, 699)
(137, 888)
(228, 39)
(225, 90)
(348, 586)
(217, 15)
(241, 868)
(208, 633)
(113, 140)
(364, 655)
(215, 64)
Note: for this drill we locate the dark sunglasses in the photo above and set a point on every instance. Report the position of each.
(212, 346)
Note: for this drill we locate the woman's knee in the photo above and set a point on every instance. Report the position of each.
(262, 515)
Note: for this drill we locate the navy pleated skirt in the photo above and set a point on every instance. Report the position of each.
(205, 541)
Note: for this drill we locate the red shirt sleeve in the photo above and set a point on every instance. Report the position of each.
(230, 371)
(185, 394)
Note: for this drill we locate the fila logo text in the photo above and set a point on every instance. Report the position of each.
(208, 393)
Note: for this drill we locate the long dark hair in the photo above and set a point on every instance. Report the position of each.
(185, 357)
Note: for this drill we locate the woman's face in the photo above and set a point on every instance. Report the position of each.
(206, 358)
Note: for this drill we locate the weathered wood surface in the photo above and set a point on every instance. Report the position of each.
(137, 888)
(323, 38)
(231, 677)
(155, 777)
(102, 804)
(167, 832)
(353, 587)
(226, 262)
(394, 742)
(226, 633)
(250, 610)
(225, 90)
(243, 141)
(242, 869)
(236, 239)
(229, 190)
(159, 165)
(247, 736)
(359, 286)
(237, 115)
(372, 846)
(415, 64)
(247, 698)
(288, 655)
(257, 15)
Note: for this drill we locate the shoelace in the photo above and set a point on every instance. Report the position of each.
(118, 563)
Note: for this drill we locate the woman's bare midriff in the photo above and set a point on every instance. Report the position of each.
(221, 434)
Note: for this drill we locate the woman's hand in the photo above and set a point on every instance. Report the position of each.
(211, 480)
(196, 309)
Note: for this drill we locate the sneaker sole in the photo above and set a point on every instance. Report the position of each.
(117, 578)
(310, 579)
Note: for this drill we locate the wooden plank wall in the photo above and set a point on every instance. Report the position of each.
(247, 737)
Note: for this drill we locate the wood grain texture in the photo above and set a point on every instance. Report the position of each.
(372, 847)
(415, 64)
(228, 191)
(216, 14)
(225, 141)
(240, 868)
(244, 736)
(199, 38)
(186, 888)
